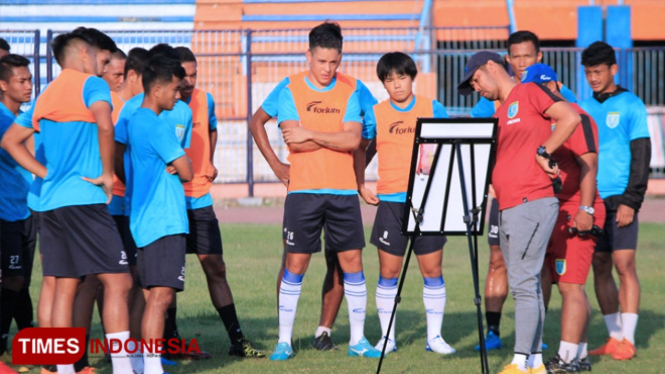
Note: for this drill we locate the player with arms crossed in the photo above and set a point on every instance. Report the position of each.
(569, 254)
(392, 123)
(319, 114)
(528, 208)
(623, 173)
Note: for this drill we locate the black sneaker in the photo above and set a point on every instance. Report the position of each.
(243, 348)
(585, 364)
(324, 343)
(557, 366)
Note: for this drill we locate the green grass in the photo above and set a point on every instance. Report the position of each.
(253, 254)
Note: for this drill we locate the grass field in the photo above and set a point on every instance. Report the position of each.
(253, 253)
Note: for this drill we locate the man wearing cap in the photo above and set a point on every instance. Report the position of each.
(571, 248)
(522, 182)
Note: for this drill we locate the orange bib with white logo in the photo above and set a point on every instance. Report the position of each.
(199, 149)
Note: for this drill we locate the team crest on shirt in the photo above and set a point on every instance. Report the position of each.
(180, 131)
(560, 267)
(612, 119)
(513, 109)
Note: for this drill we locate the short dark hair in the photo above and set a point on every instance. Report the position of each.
(160, 70)
(599, 53)
(8, 63)
(118, 54)
(396, 62)
(136, 60)
(61, 42)
(523, 36)
(165, 51)
(326, 35)
(4, 45)
(186, 54)
(96, 38)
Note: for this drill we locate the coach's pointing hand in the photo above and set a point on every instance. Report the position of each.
(296, 135)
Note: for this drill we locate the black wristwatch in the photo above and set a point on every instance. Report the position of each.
(542, 152)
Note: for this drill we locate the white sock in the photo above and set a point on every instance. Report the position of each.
(120, 360)
(386, 291)
(289, 292)
(320, 330)
(66, 369)
(613, 323)
(153, 364)
(582, 351)
(135, 356)
(520, 360)
(355, 291)
(535, 360)
(629, 321)
(434, 298)
(568, 351)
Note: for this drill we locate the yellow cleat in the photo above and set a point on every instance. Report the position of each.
(539, 370)
(513, 369)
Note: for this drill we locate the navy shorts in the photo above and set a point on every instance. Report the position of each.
(493, 232)
(614, 238)
(306, 214)
(128, 243)
(79, 240)
(387, 232)
(204, 236)
(17, 243)
(162, 263)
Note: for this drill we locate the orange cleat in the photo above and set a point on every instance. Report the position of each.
(625, 351)
(607, 349)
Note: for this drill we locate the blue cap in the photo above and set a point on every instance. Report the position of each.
(475, 62)
(539, 73)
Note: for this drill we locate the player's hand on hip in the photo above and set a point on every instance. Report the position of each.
(368, 196)
(105, 182)
(625, 215)
(296, 135)
(552, 171)
(171, 170)
(282, 171)
(583, 221)
(211, 174)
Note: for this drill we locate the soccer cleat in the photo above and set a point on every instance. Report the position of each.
(625, 351)
(440, 346)
(282, 352)
(24, 369)
(243, 348)
(492, 342)
(511, 369)
(363, 349)
(86, 370)
(539, 370)
(4, 369)
(390, 348)
(606, 349)
(324, 342)
(585, 364)
(166, 362)
(558, 366)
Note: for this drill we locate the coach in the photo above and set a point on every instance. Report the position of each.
(522, 181)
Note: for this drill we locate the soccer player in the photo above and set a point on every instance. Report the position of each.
(319, 114)
(205, 238)
(569, 255)
(18, 231)
(333, 285)
(4, 47)
(158, 217)
(523, 51)
(397, 71)
(114, 74)
(523, 186)
(623, 173)
(78, 234)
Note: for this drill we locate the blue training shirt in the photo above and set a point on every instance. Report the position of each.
(620, 119)
(25, 119)
(15, 181)
(205, 200)
(439, 111)
(180, 120)
(158, 199)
